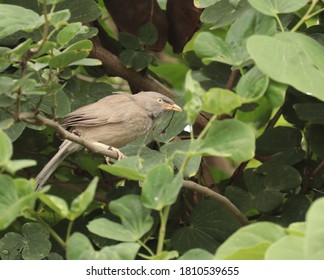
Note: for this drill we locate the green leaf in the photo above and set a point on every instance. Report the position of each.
(227, 138)
(278, 139)
(212, 48)
(267, 200)
(10, 246)
(263, 190)
(72, 54)
(188, 238)
(18, 52)
(80, 248)
(62, 103)
(177, 151)
(242, 199)
(274, 7)
(315, 135)
(80, 45)
(47, 48)
(310, 112)
(57, 204)
(66, 34)
(160, 187)
(135, 220)
(4, 124)
(81, 11)
(197, 254)
(15, 196)
(144, 158)
(297, 228)
(4, 61)
(211, 217)
(137, 60)
(108, 229)
(194, 93)
(276, 93)
(250, 242)
(12, 166)
(210, 225)
(256, 113)
(130, 168)
(15, 18)
(5, 148)
(294, 209)
(148, 33)
(6, 85)
(220, 101)
(282, 178)
(290, 157)
(314, 242)
(165, 255)
(87, 62)
(169, 126)
(15, 130)
(249, 23)
(276, 57)
(129, 41)
(204, 3)
(82, 201)
(290, 247)
(59, 18)
(66, 58)
(33, 244)
(252, 85)
(222, 13)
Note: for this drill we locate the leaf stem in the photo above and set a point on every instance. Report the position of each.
(206, 128)
(279, 23)
(69, 229)
(307, 16)
(233, 210)
(184, 164)
(164, 214)
(148, 249)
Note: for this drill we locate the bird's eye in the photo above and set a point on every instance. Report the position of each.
(160, 100)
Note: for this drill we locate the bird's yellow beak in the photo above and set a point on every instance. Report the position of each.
(172, 107)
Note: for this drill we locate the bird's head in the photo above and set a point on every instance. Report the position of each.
(155, 104)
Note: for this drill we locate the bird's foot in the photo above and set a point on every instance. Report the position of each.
(119, 154)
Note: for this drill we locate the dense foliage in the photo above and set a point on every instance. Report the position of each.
(244, 182)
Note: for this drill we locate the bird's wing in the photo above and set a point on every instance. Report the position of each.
(111, 109)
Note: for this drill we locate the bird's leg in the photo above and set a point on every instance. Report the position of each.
(120, 155)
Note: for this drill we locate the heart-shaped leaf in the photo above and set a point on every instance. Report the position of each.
(80, 248)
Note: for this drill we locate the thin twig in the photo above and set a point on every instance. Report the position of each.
(232, 79)
(310, 177)
(236, 213)
(37, 119)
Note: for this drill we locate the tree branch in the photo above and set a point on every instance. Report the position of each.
(114, 66)
(37, 119)
(236, 213)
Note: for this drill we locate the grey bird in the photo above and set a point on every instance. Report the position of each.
(115, 121)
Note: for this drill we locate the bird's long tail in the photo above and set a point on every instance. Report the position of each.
(66, 148)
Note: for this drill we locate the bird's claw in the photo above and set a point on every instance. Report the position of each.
(120, 155)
